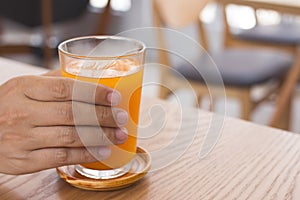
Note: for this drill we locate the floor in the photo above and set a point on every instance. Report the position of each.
(261, 115)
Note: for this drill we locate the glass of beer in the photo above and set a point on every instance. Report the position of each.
(116, 62)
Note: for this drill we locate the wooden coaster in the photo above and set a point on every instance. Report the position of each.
(140, 167)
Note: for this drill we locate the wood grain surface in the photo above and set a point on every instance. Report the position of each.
(249, 161)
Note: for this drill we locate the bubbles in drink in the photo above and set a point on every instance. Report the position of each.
(103, 68)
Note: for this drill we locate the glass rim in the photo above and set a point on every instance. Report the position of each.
(139, 50)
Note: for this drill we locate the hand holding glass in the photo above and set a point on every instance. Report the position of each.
(116, 62)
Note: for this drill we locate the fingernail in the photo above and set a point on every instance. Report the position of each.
(114, 98)
(122, 118)
(121, 135)
(104, 152)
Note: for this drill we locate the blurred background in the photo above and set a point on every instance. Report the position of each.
(31, 30)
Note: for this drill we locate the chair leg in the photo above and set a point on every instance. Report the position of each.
(47, 30)
(198, 101)
(247, 105)
(284, 122)
(1, 26)
(287, 116)
(104, 19)
(211, 104)
(286, 92)
(164, 92)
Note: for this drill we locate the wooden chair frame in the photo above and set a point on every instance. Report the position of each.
(46, 8)
(47, 22)
(282, 114)
(232, 41)
(242, 93)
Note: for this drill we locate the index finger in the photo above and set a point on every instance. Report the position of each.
(65, 89)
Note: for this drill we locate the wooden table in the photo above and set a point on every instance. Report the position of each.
(248, 162)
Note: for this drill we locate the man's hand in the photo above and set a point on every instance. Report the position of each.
(37, 123)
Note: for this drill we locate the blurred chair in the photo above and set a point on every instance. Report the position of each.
(44, 13)
(283, 36)
(240, 68)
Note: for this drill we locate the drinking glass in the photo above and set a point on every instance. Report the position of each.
(116, 62)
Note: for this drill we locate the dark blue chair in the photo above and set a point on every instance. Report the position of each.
(240, 68)
(43, 13)
(284, 36)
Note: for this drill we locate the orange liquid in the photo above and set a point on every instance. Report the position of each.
(129, 86)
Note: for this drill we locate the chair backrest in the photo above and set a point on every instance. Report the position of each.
(179, 13)
(29, 12)
(266, 36)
